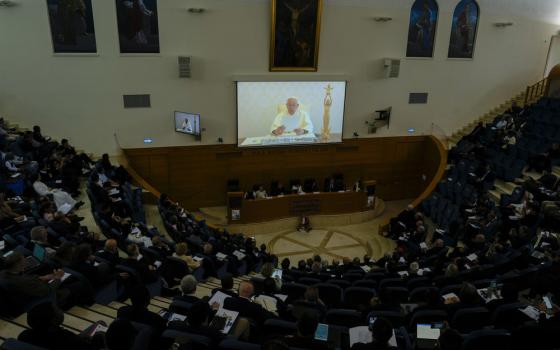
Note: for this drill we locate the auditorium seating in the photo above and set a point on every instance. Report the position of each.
(478, 245)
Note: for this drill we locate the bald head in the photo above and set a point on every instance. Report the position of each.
(111, 245)
(246, 289)
(292, 105)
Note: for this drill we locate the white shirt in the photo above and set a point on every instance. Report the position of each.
(299, 120)
(261, 194)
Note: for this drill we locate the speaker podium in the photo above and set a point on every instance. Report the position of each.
(234, 206)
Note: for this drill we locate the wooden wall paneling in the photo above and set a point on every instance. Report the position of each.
(197, 175)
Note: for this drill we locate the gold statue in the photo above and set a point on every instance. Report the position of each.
(327, 102)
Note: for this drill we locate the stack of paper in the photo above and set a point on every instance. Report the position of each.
(221, 256)
(239, 255)
(229, 316)
(362, 334)
(218, 298)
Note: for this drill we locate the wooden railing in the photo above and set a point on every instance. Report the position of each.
(441, 146)
(536, 91)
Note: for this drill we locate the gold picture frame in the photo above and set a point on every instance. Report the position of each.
(295, 33)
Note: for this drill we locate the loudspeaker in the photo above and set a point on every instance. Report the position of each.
(184, 66)
(392, 67)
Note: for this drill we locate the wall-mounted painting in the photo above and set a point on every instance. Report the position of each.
(72, 27)
(294, 42)
(422, 28)
(138, 26)
(463, 29)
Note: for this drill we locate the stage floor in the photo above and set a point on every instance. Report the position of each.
(333, 236)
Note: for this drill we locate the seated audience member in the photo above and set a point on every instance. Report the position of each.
(381, 333)
(266, 273)
(181, 250)
(197, 323)
(146, 272)
(83, 263)
(45, 322)
(305, 335)
(160, 246)
(64, 255)
(24, 287)
(188, 290)
(39, 236)
(304, 224)
(63, 201)
(245, 306)
(110, 252)
(121, 335)
(311, 303)
(450, 339)
(138, 311)
(226, 285)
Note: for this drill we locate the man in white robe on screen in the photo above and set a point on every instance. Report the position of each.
(292, 122)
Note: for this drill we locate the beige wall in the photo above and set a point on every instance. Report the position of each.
(80, 96)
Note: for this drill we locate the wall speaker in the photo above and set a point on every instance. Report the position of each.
(184, 67)
(392, 67)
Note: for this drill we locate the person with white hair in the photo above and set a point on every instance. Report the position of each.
(188, 288)
(293, 121)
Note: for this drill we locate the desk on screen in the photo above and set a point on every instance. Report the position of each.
(287, 140)
(242, 211)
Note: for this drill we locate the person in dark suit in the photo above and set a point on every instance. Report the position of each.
(188, 289)
(381, 333)
(45, 331)
(227, 286)
(305, 336)
(450, 339)
(28, 287)
(197, 323)
(245, 306)
(134, 261)
(138, 311)
(110, 252)
(99, 275)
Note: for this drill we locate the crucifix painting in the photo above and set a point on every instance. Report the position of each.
(294, 42)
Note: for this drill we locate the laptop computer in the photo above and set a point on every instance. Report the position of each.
(427, 335)
(33, 261)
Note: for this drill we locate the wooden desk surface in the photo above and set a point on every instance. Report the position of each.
(294, 205)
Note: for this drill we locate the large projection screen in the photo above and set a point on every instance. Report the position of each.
(286, 113)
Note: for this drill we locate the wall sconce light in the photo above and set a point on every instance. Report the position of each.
(503, 24)
(196, 10)
(7, 3)
(382, 19)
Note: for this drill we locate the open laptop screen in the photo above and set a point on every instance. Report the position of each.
(39, 252)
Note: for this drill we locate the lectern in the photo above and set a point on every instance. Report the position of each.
(369, 187)
(234, 206)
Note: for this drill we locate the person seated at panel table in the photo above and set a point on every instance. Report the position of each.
(251, 194)
(304, 224)
(293, 121)
(261, 193)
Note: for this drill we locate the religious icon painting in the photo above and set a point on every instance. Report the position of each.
(463, 29)
(295, 31)
(137, 21)
(72, 27)
(422, 29)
